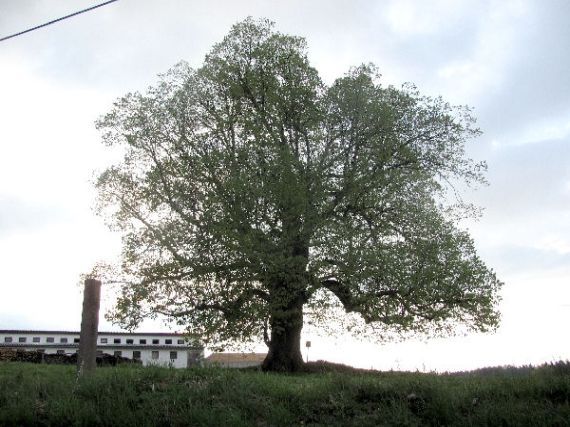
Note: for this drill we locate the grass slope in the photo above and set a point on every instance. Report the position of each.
(329, 396)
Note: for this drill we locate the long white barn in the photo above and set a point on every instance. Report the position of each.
(167, 349)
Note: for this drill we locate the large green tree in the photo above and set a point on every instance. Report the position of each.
(250, 190)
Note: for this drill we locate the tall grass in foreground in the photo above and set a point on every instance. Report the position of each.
(135, 396)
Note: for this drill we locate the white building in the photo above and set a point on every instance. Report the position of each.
(150, 348)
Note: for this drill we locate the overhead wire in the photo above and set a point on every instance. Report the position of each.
(57, 20)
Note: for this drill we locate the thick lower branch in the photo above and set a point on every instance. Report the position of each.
(357, 303)
(229, 310)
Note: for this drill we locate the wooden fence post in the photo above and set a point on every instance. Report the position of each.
(86, 360)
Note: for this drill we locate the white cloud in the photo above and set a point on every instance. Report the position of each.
(555, 243)
(49, 141)
(484, 67)
(411, 18)
(544, 129)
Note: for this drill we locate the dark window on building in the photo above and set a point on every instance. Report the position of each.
(180, 341)
(154, 355)
(141, 341)
(155, 341)
(173, 355)
(167, 341)
(22, 339)
(7, 339)
(129, 341)
(60, 351)
(36, 339)
(63, 340)
(50, 339)
(103, 340)
(117, 340)
(118, 353)
(76, 340)
(41, 350)
(136, 355)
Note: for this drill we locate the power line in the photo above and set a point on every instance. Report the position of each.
(57, 20)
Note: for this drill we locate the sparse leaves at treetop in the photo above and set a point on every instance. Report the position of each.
(250, 190)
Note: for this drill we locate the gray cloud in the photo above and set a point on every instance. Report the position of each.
(127, 43)
(527, 180)
(538, 84)
(509, 260)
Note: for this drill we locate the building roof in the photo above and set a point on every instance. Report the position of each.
(236, 357)
(173, 347)
(22, 331)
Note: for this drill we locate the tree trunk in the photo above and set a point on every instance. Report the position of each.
(285, 344)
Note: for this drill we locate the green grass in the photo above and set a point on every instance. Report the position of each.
(135, 396)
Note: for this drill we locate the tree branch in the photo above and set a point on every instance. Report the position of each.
(352, 303)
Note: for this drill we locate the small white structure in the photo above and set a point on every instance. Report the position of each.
(235, 360)
(150, 348)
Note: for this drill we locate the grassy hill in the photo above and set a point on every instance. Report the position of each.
(330, 395)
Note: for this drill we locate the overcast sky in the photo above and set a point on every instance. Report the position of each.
(509, 60)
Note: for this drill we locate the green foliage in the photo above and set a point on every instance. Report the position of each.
(135, 396)
(250, 189)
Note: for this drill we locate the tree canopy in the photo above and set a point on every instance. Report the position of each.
(251, 190)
